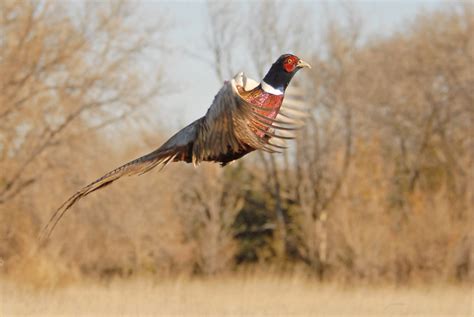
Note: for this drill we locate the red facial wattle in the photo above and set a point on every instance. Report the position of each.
(290, 64)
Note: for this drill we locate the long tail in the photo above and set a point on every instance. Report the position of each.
(138, 166)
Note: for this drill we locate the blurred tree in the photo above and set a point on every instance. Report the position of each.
(324, 149)
(407, 99)
(65, 70)
(207, 205)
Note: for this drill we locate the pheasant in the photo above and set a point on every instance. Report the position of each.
(241, 119)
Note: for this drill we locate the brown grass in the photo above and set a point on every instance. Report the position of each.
(235, 296)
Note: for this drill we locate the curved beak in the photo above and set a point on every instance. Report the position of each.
(301, 63)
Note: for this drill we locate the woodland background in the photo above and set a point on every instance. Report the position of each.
(378, 187)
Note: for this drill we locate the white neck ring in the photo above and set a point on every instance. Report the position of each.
(271, 90)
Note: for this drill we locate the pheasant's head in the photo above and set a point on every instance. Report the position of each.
(281, 73)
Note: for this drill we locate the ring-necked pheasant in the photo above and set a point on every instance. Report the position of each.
(241, 119)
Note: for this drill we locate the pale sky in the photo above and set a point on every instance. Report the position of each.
(196, 83)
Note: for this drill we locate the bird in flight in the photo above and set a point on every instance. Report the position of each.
(245, 116)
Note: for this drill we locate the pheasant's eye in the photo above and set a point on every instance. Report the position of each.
(289, 65)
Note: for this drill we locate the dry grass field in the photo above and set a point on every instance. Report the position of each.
(234, 296)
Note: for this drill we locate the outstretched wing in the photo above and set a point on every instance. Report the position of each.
(230, 125)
